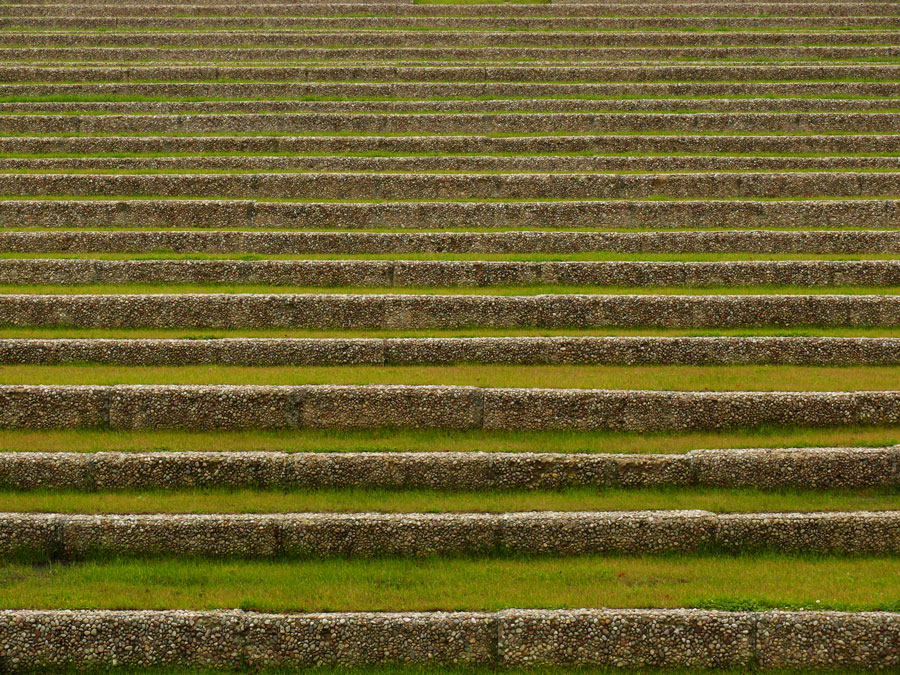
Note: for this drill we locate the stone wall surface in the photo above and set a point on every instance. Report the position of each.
(439, 38)
(247, 213)
(523, 241)
(227, 640)
(488, 22)
(486, 90)
(452, 273)
(448, 123)
(571, 105)
(532, 72)
(398, 8)
(399, 311)
(452, 186)
(65, 537)
(766, 469)
(464, 144)
(132, 407)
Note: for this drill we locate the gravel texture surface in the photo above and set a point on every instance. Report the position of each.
(400, 38)
(523, 241)
(511, 638)
(766, 469)
(419, 312)
(665, 215)
(452, 273)
(370, 535)
(829, 351)
(459, 123)
(131, 407)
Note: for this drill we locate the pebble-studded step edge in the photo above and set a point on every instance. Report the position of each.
(399, 311)
(614, 638)
(231, 407)
(763, 469)
(523, 241)
(453, 273)
(829, 351)
(564, 215)
(66, 537)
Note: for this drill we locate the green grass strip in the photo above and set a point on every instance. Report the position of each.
(411, 440)
(356, 500)
(719, 582)
(664, 378)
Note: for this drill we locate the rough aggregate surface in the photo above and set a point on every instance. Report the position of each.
(132, 407)
(766, 469)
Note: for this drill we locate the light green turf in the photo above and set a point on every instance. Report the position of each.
(669, 378)
(719, 582)
(432, 501)
(410, 440)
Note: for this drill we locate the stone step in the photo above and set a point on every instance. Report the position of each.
(64, 21)
(745, 8)
(473, 164)
(404, 186)
(235, 407)
(615, 638)
(783, 145)
(244, 213)
(421, 312)
(762, 469)
(438, 38)
(296, 243)
(411, 535)
(542, 73)
(452, 273)
(450, 53)
(451, 89)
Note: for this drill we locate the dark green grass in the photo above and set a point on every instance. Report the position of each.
(656, 377)
(410, 440)
(351, 500)
(719, 582)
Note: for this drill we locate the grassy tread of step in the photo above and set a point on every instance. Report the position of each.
(541, 336)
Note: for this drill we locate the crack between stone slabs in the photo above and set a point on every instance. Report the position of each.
(476, 401)
(298, 407)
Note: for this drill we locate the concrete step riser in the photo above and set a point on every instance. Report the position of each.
(382, 39)
(438, 123)
(319, 186)
(423, 90)
(455, 106)
(319, 535)
(454, 164)
(419, 274)
(839, 144)
(319, 9)
(415, 73)
(228, 407)
(66, 22)
(777, 469)
(512, 638)
(421, 312)
(800, 242)
(243, 213)
(444, 351)
(450, 53)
